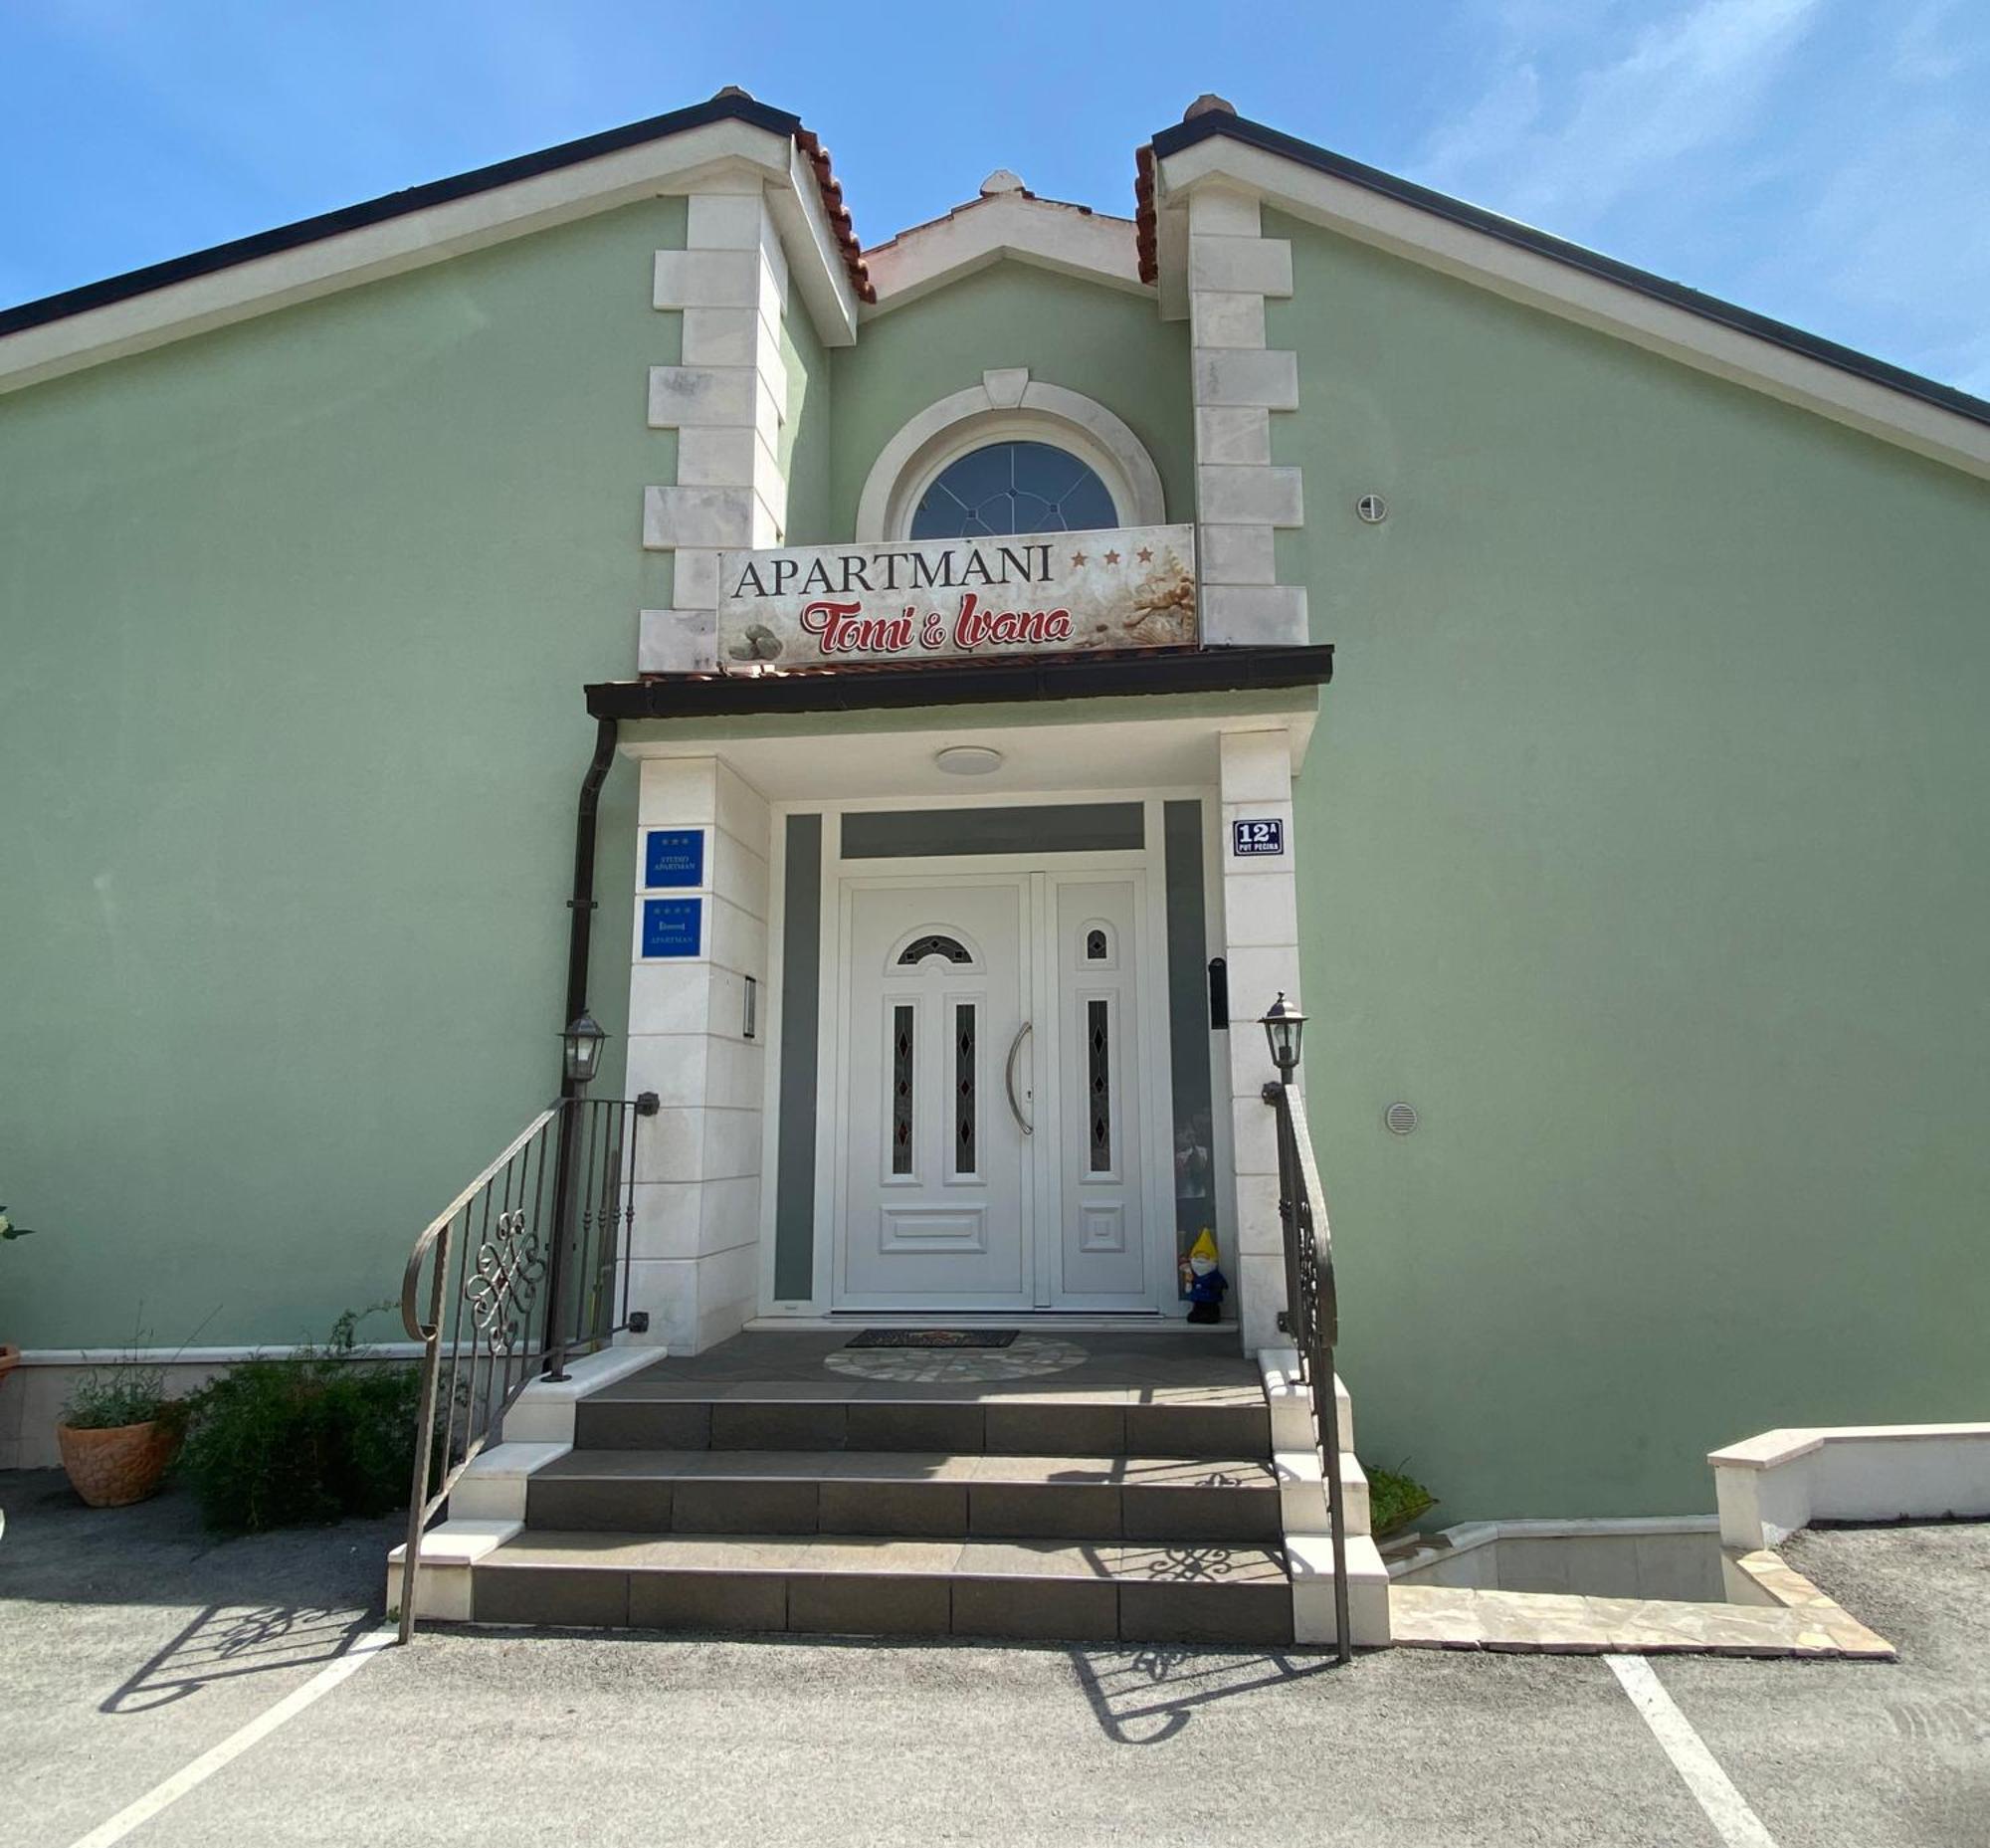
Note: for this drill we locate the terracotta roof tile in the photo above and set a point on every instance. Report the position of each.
(838, 212)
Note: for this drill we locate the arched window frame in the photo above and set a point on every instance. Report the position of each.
(1007, 407)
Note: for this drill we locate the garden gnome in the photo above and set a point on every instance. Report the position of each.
(1203, 1282)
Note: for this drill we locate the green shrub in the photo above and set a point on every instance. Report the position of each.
(1394, 1500)
(308, 1439)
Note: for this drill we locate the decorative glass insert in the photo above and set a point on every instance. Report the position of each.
(1099, 1082)
(964, 1106)
(1013, 488)
(934, 944)
(901, 1089)
(1096, 949)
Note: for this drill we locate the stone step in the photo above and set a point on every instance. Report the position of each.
(872, 1586)
(1209, 1422)
(1045, 1589)
(907, 1494)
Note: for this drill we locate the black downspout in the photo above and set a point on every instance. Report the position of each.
(581, 926)
(581, 931)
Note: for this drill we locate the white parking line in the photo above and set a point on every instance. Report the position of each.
(235, 1743)
(1739, 1825)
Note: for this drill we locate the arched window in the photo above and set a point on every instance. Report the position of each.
(1015, 486)
(934, 944)
(1012, 454)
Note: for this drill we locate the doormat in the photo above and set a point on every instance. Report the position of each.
(1031, 1357)
(933, 1337)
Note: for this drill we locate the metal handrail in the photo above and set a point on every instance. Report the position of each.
(1311, 1316)
(419, 1331)
(516, 1273)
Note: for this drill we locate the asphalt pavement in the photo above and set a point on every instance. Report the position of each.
(130, 1645)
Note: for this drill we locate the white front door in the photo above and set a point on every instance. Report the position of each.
(938, 1188)
(997, 1122)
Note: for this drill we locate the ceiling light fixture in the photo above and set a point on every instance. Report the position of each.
(969, 759)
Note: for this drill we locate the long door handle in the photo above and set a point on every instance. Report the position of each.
(1009, 1080)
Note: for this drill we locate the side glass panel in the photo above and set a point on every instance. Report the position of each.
(1056, 828)
(1188, 1025)
(801, 972)
(902, 1089)
(1099, 1082)
(965, 1104)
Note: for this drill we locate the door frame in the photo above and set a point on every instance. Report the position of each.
(1158, 1087)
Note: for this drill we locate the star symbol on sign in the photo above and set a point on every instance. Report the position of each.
(1076, 560)
(1112, 557)
(1145, 554)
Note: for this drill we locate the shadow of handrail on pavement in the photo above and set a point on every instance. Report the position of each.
(1147, 1695)
(226, 1641)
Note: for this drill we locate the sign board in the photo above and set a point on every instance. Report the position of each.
(672, 927)
(980, 599)
(674, 856)
(1257, 836)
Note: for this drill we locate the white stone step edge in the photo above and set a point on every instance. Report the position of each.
(1290, 1401)
(488, 1505)
(543, 1413)
(1309, 1559)
(449, 1551)
(1303, 1503)
(493, 1487)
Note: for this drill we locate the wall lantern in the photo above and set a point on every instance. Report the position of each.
(583, 1040)
(1284, 1028)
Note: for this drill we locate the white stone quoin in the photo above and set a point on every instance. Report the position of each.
(1261, 929)
(694, 1244)
(726, 399)
(1242, 495)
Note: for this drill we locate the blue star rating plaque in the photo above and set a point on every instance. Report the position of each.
(672, 927)
(674, 856)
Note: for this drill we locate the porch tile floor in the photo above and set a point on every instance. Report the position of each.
(1136, 1367)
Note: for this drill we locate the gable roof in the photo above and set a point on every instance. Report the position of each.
(212, 288)
(1303, 160)
(1006, 220)
(552, 164)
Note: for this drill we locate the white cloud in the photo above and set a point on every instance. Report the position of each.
(1897, 234)
(1687, 80)
(1925, 50)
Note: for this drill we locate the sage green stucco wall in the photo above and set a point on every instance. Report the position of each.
(1109, 345)
(1643, 850)
(806, 433)
(296, 619)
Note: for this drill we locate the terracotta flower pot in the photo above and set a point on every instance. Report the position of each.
(114, 1468)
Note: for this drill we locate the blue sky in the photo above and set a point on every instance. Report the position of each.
(1825, 161)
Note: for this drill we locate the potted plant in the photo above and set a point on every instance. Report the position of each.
(118, 1431)
(10, 1356)
(1395, 1500)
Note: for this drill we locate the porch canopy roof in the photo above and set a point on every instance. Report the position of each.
(993, 683)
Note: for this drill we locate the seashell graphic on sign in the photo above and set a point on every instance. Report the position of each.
(996, 598)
